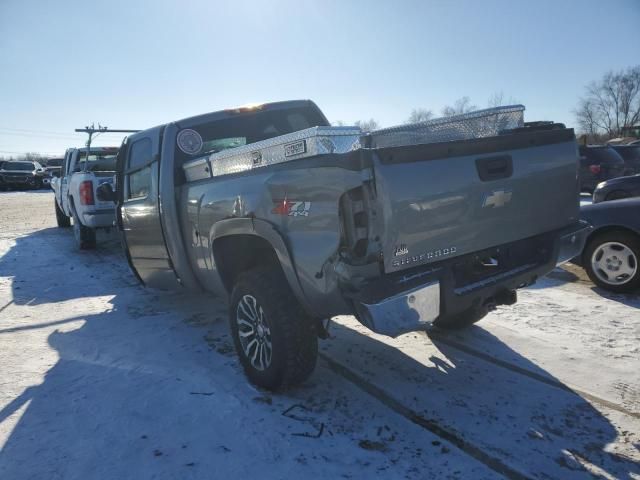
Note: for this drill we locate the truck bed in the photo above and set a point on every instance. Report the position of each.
(439, 189)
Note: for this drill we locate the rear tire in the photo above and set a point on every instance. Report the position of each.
(611, 261)
(62, 220)
(276, 341)
(85, 237)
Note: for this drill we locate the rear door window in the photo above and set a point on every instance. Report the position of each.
(139, 183)
(139, 169)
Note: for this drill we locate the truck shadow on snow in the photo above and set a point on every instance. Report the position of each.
(542, 430)
(121, 394)
(42, 273)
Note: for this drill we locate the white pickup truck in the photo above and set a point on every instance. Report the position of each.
(75, 192)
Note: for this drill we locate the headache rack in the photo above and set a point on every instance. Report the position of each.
(327, 140)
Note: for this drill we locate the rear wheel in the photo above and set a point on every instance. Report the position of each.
(85, 237)
(275, 339)
(62, 220)
(611, 261)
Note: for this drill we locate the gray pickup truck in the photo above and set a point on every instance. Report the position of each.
(295, 221)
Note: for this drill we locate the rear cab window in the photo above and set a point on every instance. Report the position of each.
(249, 127)
(97, 161)
(598, 155)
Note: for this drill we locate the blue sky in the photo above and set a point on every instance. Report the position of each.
(137, 64)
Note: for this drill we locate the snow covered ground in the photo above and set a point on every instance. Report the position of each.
(100, 378)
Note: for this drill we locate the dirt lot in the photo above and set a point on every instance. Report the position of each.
(101, 378)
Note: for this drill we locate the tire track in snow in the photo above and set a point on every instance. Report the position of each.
(535, 376)
(7, 305)
(494, 463)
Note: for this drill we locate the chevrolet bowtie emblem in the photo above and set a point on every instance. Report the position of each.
(497, 198)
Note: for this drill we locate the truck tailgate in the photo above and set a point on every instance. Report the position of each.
(447, 199)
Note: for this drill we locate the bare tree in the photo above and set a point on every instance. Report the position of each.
(460, 106)
(496, 100)
(420, 115)
(367, 125)
(610, 104)
(33, 157)
(25, 157)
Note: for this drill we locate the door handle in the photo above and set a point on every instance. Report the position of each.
(494, 168)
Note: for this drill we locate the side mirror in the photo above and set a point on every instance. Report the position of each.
(105, 193)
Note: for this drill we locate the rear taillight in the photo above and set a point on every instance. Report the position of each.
(595, 169)
(86, 193)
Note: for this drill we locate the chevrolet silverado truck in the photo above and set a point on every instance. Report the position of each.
(296, 221)
(22, 174)
(83, 171)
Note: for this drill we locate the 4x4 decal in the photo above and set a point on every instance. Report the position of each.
(292, 208)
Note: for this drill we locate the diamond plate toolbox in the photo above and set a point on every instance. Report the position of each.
(293, 146)
(478, 124)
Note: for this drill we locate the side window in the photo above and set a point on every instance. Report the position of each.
(139, 183)
(139, 154)
(138, 168)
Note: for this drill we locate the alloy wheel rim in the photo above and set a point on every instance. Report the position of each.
(614, 263)
(254, 332)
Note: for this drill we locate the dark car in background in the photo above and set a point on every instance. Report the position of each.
(631, 156)
(617, 188)
(21, 174)
(597, 164)
(612, 251)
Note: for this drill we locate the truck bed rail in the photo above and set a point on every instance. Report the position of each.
(479, 124)
(326, 140)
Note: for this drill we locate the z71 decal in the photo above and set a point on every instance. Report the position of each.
(292, 208)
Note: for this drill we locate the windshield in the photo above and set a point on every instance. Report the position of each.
(26, 166)
(97, 161)
(243, 129)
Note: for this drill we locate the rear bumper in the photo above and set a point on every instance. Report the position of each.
(444, 291)
(571, 242)
(98, 218)
(415, 309)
